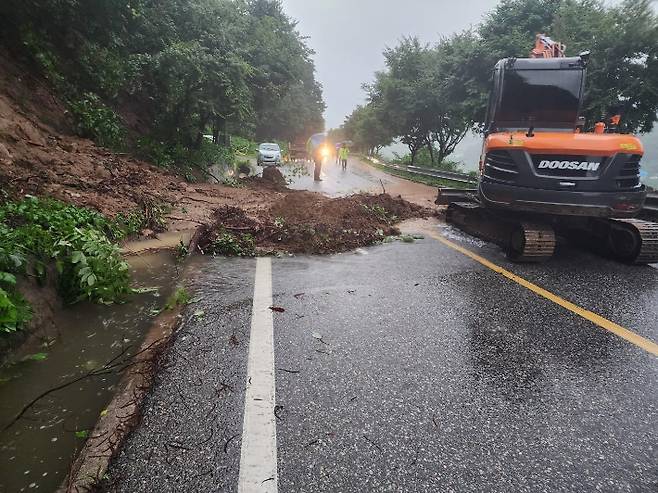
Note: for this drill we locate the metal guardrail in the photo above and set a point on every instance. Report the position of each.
(434, 173)
(651, 203)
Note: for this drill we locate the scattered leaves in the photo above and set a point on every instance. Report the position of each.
(35, 357)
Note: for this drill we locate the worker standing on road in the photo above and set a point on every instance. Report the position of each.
(338, 152)
(343, 152)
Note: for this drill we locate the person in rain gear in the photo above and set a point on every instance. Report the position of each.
(318, 149)
(343, 153)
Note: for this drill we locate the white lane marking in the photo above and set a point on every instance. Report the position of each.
(258, 461)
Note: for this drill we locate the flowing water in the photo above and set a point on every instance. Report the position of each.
(36, 451)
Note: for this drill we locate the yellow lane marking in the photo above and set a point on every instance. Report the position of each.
(604, 323)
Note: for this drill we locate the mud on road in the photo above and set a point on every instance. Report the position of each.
(306, 222)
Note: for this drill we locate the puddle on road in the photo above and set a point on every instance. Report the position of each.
(453, 233)
(38, 449)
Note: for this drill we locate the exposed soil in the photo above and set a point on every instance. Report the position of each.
(306, 222)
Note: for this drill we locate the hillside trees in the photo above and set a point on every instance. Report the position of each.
(431, 96)
(183, 67)
(418, 98)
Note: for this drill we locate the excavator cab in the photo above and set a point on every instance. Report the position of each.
(535, 156)
(541, 94)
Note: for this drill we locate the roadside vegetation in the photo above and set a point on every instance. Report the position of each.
(70, 247)
(424, 158)
(430, 96)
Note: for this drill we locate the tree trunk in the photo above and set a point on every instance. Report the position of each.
(199, 136)
(413, 151)
(430, 148)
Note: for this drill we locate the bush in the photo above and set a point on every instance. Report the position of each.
(185, 159)
(34, 232)
(240, 145)
(90, 267)
(14, 310)
(96, 121)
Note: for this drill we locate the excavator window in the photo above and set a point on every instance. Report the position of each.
(543, 98)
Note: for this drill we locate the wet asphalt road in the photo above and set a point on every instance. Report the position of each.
(434, 373)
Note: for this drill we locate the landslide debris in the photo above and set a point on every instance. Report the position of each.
(40, 156)
(306, 222)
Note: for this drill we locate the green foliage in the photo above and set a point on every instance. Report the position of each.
(127, 225)
(419, 99)
(34, 232)
(368, 128)
(98, 122)
(185, 159)
(81, 434)
(186, 65)
(36, 357)
(90, 267)
(423, 158)
(180, 297)
(623, 39)
(380, 213)
(227, 243)
(243, 146)
(14, 310)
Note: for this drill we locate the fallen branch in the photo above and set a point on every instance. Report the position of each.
(112, 366)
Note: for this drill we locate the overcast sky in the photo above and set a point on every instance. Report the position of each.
(349, 36)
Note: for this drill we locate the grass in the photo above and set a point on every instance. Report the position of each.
(425, 180)
(180, 297)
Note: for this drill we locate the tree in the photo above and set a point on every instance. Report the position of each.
(432, 96)
(421, 97)
(623, 41)
(623, 71)
(188, 66)
(367, 128)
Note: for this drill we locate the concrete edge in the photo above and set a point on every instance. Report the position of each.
(122, 414)
(168, 240)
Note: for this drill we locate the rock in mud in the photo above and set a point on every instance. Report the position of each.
(5, 156)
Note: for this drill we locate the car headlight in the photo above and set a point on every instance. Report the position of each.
(324, 152)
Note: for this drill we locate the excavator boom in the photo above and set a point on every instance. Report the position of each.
(545, 47)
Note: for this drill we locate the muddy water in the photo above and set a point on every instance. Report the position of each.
(36, 451)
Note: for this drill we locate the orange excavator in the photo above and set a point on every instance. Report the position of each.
(543, 176)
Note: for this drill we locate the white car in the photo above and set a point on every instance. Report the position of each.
(269, 155)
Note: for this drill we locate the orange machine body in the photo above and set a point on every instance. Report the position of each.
(557, 143)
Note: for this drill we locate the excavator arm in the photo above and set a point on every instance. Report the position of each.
(545, 47)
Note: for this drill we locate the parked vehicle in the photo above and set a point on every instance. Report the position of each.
(269, 155)
(297, 150)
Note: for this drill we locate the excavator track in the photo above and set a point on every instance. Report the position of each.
(532, 242)
(522, 241)
(633, 241)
